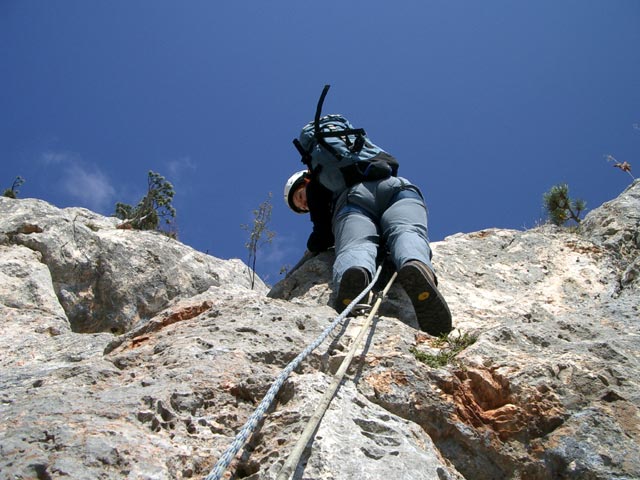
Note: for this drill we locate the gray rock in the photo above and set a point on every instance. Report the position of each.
(108, 279)
(615, 224)
(547, 390)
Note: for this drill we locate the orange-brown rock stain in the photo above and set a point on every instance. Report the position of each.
(484, 399)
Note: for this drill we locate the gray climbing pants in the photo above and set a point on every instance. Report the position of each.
(391, 210)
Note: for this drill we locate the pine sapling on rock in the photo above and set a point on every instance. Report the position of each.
(560, 207)
(155, 205)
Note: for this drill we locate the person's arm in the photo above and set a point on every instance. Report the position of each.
(320, 203)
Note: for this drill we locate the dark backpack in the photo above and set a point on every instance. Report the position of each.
(339, 155)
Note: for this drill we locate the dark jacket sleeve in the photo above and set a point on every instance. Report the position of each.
(320, 203)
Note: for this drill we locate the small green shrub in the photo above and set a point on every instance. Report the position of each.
(13, 191)
(153, 207)
(450, 347)
(560, 208)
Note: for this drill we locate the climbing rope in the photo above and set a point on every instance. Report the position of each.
(250, 426)
(294, 458)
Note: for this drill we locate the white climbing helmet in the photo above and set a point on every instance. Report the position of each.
(291, 186)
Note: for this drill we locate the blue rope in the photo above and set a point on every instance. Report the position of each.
(253, 421)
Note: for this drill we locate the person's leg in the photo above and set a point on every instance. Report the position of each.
(356, 242)
(404, 226)
(404, 229)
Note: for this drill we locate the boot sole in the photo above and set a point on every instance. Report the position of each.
(431, 309)
(353, 282)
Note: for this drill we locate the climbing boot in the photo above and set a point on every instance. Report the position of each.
(430, 306)
(353, 282)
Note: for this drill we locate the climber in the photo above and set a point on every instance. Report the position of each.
(389, 209)
(357, 202)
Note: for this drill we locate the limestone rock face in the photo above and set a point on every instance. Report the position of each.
(616, 227)
(128, 355)
(108, 279)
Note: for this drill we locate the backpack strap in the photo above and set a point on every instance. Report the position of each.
(320, 136)
(306, 156)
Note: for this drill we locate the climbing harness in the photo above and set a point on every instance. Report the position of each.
(294, 458)
(250, 426)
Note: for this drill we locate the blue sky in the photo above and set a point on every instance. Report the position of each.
(485, 104)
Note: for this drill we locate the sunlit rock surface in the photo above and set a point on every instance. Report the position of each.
(126, 354)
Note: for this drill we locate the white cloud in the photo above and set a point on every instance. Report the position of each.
(87, 185)
(180, 165)
(59, 158)
(91, 188)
